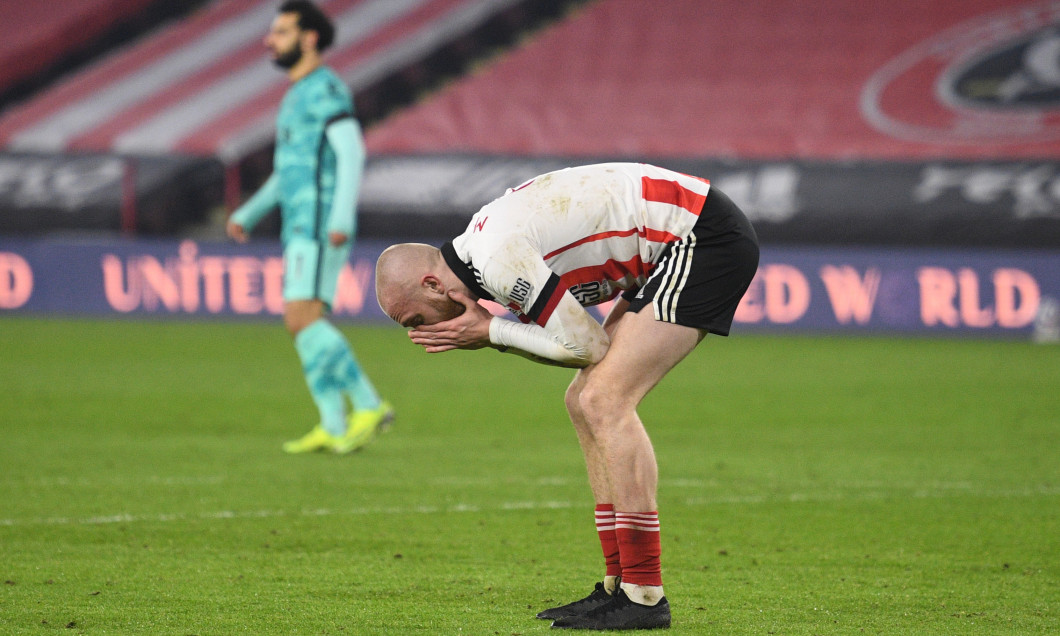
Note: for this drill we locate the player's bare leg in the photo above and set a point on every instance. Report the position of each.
(299, 314)
(603, 400)
(604, 512)
(594, 459)
(642, 351)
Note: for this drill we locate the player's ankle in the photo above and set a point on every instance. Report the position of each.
(643, 594)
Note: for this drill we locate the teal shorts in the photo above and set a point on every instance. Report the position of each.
(311, 269)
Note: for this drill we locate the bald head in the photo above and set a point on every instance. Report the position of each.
(411, 285)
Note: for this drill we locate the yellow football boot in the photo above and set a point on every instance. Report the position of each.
(362, 428)
(315, 440)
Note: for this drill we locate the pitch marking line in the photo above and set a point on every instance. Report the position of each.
(268, 514)
(1043, 491)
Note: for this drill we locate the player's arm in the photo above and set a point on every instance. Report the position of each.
(570, 338)
(344, 136)
(561, 331)
(254, 209)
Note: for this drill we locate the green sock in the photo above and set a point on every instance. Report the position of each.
(321, 353)
(347, 372)
(332, 372)
(356, 383)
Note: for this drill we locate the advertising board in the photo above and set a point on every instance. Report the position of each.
(827, 289)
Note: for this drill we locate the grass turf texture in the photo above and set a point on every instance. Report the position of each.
(807, 486)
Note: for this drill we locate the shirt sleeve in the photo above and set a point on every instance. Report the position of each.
(572, 337)
(518, 277)
(259, 205)
(562, 331)
(344, 136)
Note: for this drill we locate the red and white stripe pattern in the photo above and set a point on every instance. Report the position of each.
(605, 518)
(640, 549)
(640, 222)
(639, 521)
(205, 85)
(605, 529)
(39, 35)
(600, 228)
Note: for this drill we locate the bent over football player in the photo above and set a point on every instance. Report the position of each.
(676, 253)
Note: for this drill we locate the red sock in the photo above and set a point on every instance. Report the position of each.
(605, 527)
(638, 545)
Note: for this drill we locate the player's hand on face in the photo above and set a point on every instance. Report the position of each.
(469, 330)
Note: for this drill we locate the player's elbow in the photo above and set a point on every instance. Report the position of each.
(589, 352)
(598, 348)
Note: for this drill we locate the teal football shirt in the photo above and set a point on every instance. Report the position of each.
(317, 170)
(304, 161)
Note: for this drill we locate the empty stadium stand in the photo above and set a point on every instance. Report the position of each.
(44, 40)
(830, 121)
(204, 88)
(732, 78)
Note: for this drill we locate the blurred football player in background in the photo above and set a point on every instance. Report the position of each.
(317, 170)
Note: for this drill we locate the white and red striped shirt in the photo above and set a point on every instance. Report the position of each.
(595, 230)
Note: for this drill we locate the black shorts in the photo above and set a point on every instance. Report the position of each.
(699, 280)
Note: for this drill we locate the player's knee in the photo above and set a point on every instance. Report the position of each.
(295, 322)
(572, 398)
(292, 324)
(299, 315)
(599, 403)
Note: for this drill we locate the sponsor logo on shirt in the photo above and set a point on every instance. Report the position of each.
(590, 293)
(521, 291)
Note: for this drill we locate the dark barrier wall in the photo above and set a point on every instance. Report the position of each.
(935, 204)
(101, 192)
(941, 292)
(940, 203)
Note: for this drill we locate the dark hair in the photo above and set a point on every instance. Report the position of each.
(311, 18)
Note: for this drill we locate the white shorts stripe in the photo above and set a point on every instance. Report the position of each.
(658, 303)
(677, 268)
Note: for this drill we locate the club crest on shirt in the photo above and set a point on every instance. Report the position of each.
(993, 79)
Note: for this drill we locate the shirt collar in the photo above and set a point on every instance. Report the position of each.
(464, 271)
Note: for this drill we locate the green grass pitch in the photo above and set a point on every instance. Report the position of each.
(808, 485)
